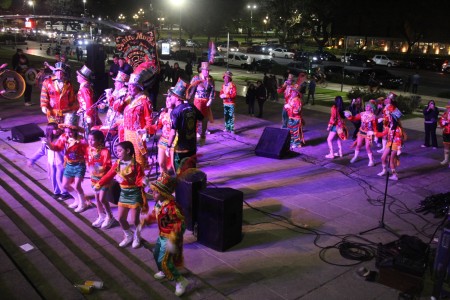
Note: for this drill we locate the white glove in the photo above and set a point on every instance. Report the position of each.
(347, 114)
(370, 133)
(170, 247)
(88, 120)
(380, 120)
(167, 152)
(399, 151)
(44, 110)
(144, 137)
(122, 92)
(209, 103)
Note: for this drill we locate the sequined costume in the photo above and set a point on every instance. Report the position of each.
(59, 98)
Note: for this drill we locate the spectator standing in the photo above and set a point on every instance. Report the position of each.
(415, 80)
(407, 83)
(273, 88)
(188, 70)
(431, 115)
(114, 69)
(250, 98)
(176, 73)
(15, 58)
(168, 72)
(311, 90)
(261, 96)
(124, 66)
(21, 68)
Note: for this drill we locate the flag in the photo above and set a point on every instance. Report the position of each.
(211, 52)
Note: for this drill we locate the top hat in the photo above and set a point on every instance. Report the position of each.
(85, 72)
(72, 121)
(179, 89)
(141, 79)
(228, 74)
(165, 185)
(122, 77)
(60, 66)
(204, 66)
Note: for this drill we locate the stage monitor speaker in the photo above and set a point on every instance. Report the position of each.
(99, 84)
(220, 218)
(187, 194)
(26, 133)
(273, 143)
(95, 59)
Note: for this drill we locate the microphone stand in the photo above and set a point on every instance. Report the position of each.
(381, 224)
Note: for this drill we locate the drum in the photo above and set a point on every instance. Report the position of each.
(30, 76)
(12, 83)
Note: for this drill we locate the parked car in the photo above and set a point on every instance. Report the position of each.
(192, 43)
(297, 67)
(309, 56)
(384, 77)
(255, 49)
(268, 48)
(445, 67)
(218, 58)
(324, 55)
(384, 61)
(237, 59)
(223, 48)
(264, 65)
(280, 52)
(360, 60)
(334, 71)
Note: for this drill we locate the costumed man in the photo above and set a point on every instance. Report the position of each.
(114, 99)
(295, 120)
(168, 251)
(137, 116)
(444, 123)
(86, 101)
(202, 87)
(228, 95)
(285, 89)
(183, 117)
(58, 96)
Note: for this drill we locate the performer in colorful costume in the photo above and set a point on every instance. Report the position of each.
(295, 119)
(57, 95)
(444, 123)
(228, 95)
(86, 100)
(285, 89)
(336, 126)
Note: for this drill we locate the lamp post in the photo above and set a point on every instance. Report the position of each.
(121, 18)
(161, 22)
(179, 3)
(251, 7)
(136, 17)
(84, 7)
(141, 16)
(31, 3)
(266, 21)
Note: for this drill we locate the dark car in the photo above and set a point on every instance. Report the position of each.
(327, 56)
(336, 71)
(360, 60)
(297, 67)
(381, 76)
(311, 56)
(255, 49)
(264, 65)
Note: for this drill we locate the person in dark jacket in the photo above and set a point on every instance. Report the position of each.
(261, 96)
(250, 99)
(431, 115)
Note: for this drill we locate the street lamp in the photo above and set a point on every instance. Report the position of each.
(31, 3)
(84, 7)
(179, 3)
(251, 7)
(161, 22)
(121, 18)
(141, 16)
(266, 21)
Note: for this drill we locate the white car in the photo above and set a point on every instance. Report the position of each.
(237, 59)
(384, 60)
(192, 43)
(223, 48)
(280, 52)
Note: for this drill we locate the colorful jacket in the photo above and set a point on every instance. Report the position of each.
(203, 88)
(75, 148)
(229, 91)
(444, 122)
(58, 101)
(99, 162)
(137, 113)
(85, 98)
(294, 108)
(170, 219)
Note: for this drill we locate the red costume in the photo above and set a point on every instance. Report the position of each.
(58, 100)
(75, 150)
(86, 100)
(99, 162)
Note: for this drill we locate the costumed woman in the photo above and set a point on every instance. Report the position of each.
(444, 123)
(295, 120)
(336, 126)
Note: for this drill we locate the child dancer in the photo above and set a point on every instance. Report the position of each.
(168, 252)
(165, 124)
(55, 159)
(336, 125)
(129, 174)
(99, 162)
(395, 137)
(75, 148)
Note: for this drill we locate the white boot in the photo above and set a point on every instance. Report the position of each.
(128, 238)
(180, 286)
(136, 238)
(383, 172)
(371, 163)
(330, 155)
(393, 176)
(355, 157)
(99, 221)
(445, 161)
(384, 142)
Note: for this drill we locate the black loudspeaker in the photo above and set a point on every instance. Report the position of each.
(220, 218)
(26, 133)
(273, 143)
(99, 84)
(96, 57)
(187, 194)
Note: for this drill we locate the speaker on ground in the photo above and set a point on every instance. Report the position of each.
(26, 133)
(220, 218)
(187, 194)
(273, 143)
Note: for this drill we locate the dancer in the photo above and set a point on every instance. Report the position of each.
(202, 87)
(129, 174)
(444, 123)
(99, 163)
(366, 131)
(115, 99)
(286, 90)
(168, 252)
(165, 124)
(395, 138)
(86, 100)
(355, 108)
(336, 126)
(75, 147)
(55, 160)
(295, 121)
(390, 107)
(228, 94)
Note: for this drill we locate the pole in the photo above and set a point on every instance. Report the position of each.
(251, 21)
(228, 48)
(345, 55)
(179, 25)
